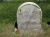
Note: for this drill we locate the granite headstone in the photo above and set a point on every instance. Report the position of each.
(29, 19)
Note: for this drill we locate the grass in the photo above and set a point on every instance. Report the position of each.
(8, 12)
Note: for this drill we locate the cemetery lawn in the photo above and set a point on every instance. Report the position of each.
(8, 17)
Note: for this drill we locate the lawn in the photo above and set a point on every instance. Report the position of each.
(8, 12)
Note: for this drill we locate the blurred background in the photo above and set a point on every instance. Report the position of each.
(8, 10)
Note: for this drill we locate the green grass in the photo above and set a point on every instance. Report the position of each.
(8, 12)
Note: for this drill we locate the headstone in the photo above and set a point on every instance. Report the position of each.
(29, 18)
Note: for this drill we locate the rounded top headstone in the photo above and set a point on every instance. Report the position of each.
(29, 16)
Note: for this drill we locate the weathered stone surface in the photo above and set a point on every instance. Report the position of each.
(29, 18)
